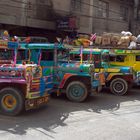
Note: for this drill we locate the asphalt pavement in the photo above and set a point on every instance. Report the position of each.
(102, 117)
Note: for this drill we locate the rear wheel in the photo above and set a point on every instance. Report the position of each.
(76, 91)
(119, 86)
(11, 101)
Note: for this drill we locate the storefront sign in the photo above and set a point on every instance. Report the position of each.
(67, 23)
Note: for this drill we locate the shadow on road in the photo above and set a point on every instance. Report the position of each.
(59, 109)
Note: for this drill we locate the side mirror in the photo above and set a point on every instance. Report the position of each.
(59, 39)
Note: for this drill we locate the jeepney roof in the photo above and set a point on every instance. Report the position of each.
(87, 51)
(40, 46)
(126, 52)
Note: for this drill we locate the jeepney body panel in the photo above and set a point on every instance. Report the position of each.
(100, 59)
(58, 70)
(28, 77)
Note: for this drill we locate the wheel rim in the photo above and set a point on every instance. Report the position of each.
(9, 102)
(119, 87)
(76, 91)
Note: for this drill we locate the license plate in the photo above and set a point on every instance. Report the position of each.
(42, 101)
(35, 103)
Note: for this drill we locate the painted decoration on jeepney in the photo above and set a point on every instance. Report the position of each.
(5, 35)
(47, 70)
(7, 71)
(3, 44)
(28, 74)
(37, 71)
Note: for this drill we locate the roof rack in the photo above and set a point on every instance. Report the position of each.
(117, 48)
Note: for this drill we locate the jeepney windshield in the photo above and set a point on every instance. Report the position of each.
(23, 54)
(76, 57)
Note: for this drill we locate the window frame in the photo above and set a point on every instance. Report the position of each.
(76, 5)
(124, 11)
(103, 9)
(136, 58)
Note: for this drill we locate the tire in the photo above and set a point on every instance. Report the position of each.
(76, 91)
(11, 101)
(119, 87)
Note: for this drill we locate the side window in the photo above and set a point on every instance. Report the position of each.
(47, 55)
(105, 57)
(137, 57)
(97, 57)
(75, 57)
(112, 58)
(120, 58)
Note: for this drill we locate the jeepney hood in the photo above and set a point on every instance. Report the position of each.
(20, 71)
(74, 67)
(25, 66)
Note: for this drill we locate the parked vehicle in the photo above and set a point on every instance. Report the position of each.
(129, 58)
(21, 86)
(76, 80)
(118, 79)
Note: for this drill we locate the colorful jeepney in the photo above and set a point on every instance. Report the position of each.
(118, 79)
(21, 86)
(129, 58)
(76, 80)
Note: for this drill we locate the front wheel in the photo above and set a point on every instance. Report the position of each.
(11, 101)
(76, 91)
(119, 86)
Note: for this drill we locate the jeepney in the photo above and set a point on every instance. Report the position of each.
(76, 80)
(21, 86)
(119, 79)
(129, 58)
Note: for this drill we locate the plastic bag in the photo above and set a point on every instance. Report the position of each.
(138, 39)
(132, 45)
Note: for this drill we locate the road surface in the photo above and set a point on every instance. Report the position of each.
(102, 117)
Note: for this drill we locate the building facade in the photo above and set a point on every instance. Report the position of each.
(55, 17)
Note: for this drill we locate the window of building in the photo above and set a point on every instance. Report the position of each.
(124, 13)
(138, 16)
(103, 10)
(137, 57)
(76, 5)
(47, 55)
